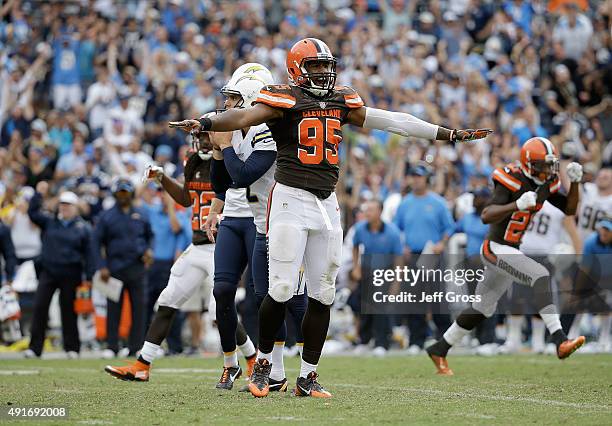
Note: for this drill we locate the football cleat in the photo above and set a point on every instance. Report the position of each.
(136, 372)
(568, 347)
(250, 364)
(260, 379)
(277, 385)
(441, 365)
(310, 387)
(228, 377)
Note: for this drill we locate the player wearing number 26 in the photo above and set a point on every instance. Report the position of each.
(520, 191)
(305, 118)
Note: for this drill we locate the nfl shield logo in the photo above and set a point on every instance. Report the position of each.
(322, 105)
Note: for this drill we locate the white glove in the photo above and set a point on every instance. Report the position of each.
(153, 172)
(574, 172)
(527, 200)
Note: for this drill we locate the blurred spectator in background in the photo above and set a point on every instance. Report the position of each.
(427, 224)
(167, 231)
(66, 260)
(376, 245)
(123, 239)
(7, 254)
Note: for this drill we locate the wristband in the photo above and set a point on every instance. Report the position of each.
(205, 124)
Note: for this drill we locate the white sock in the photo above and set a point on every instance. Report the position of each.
(230, 359)
(537, 334)
(306, 368)
(515, 324)
(300, 348)
(278, 367)
(455, 334)
(149, 351)
(248, 348)
(604, 330)
(551, 318)
(261, 355)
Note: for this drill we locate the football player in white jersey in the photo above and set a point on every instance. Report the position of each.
(546, 239)
(595, 204)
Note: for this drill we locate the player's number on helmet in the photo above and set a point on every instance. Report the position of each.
(318, 140)
(201, 207)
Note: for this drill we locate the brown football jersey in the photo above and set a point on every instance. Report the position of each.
(199, 188)
(510, 183)
(308, 135)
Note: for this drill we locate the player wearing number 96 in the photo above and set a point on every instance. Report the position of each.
(306, 119)
(520, 191)
(194, 267)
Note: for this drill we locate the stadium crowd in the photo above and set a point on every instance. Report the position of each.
(87, 89)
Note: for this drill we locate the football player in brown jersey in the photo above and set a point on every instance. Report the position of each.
(306, 118)
(520, 191)
(194, 266)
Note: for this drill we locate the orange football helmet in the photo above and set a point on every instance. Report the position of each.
(539, 159)
(311, 50)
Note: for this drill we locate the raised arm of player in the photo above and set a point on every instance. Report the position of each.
(231, 119)
(408, 125)
(171, 186)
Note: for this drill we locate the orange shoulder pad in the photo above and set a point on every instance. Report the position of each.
(277, 96)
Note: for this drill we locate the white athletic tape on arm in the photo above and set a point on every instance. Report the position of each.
(400, 123)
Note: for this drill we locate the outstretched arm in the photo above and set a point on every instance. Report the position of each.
(408, 125)
(231, 119)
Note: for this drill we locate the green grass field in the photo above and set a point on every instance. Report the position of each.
(501, 390)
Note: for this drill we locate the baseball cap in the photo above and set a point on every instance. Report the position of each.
(605, 222)
(164, 150)
(123, 184)
(419, 170)
(39, 125)
(69, 197)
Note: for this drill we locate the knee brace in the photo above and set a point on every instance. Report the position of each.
(283, 252)
(327, 290)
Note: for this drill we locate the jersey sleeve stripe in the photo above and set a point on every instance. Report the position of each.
(263, 135)
(555, 186)
(506, 180)
(274, 101)
(277, 95)
(354, 102)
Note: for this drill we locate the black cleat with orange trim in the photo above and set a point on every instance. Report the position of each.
(260, 379)
(310, 387)
(136, 372)
(568, 347)
(228, 377)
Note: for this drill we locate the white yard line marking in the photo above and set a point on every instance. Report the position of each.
(552, 402)
(19, 372)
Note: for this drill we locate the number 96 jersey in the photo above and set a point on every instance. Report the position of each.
(308, 135)
(510, 184)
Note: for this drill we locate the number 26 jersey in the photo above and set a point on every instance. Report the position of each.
(308, 135)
